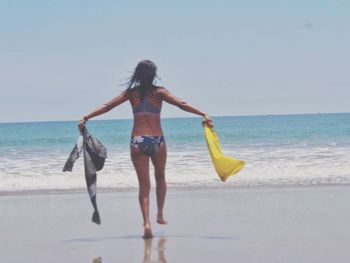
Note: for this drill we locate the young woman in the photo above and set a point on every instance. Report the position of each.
(147, 139)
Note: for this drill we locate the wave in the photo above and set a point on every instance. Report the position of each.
(186, 166)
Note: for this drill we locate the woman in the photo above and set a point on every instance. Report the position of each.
(147, 140)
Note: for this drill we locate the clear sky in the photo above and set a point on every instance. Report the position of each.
(61, 59)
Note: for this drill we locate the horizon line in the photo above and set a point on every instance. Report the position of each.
(183, 117)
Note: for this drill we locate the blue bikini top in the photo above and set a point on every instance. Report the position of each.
(145, 107)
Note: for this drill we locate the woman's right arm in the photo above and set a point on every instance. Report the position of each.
(170, 98)
(104, 108)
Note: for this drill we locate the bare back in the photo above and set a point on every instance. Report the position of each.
(146, 123)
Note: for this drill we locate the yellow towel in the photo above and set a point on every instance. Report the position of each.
(224, 166)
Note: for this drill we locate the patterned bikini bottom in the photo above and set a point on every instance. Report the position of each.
(148, 145)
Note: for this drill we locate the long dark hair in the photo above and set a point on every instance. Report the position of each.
(143, 78)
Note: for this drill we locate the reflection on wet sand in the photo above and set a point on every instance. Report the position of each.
(97, 260)
(148, 252)
(160, 249)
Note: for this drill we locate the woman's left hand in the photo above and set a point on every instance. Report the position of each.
(81, 125)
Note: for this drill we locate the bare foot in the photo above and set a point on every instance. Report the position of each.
(161, 220)
(148, 231)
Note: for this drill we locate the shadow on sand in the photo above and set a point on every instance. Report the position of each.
(98, 239)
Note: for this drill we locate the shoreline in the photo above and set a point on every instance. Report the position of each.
(106, 190)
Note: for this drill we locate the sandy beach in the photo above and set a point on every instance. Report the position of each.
(285, 224)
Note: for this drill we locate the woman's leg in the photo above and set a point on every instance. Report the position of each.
(141, 164)
(159, 161)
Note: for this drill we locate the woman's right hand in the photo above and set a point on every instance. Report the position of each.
(208, 121)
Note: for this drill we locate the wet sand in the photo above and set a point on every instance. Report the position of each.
(289, 224)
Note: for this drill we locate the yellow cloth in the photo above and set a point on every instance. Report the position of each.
(224, 166)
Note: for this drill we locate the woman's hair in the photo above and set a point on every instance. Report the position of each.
(143, 77)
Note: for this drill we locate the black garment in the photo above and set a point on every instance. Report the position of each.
(94, 158)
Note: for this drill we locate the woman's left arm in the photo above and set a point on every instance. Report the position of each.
(121, 98)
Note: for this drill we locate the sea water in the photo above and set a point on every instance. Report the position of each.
(311, 149)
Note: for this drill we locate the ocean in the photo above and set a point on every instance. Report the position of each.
(279, 150)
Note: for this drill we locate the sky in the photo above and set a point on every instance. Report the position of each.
(61, 59)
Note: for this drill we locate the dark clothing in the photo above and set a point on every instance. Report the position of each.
(94, 158)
